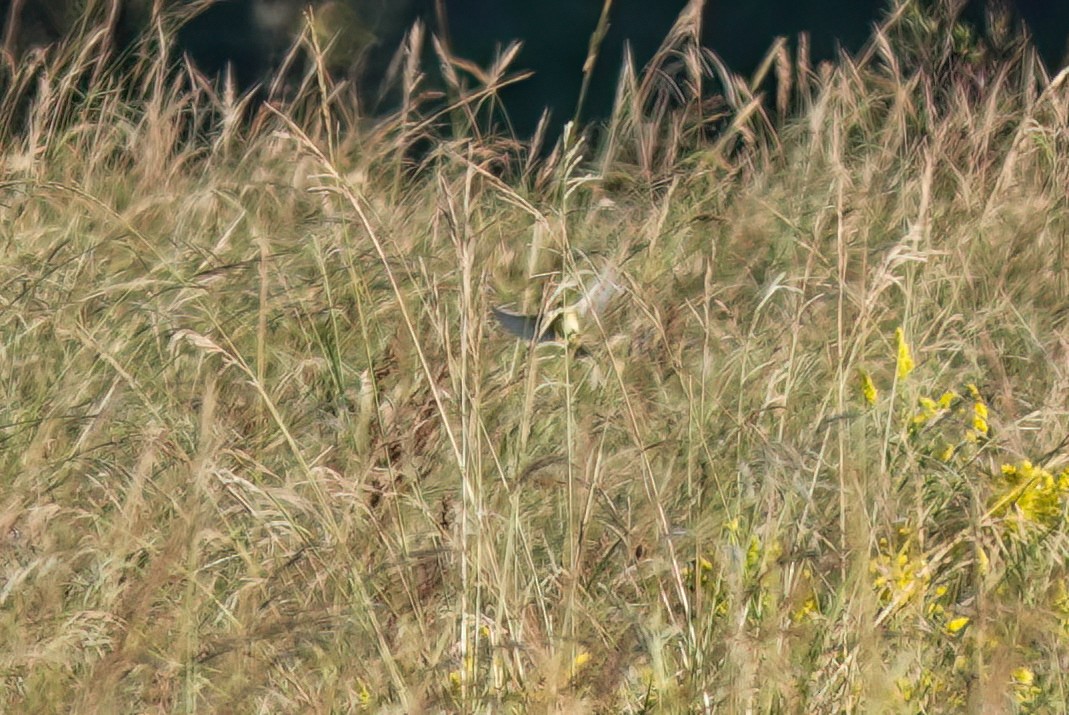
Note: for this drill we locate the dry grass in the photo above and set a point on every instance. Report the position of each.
(263, 450)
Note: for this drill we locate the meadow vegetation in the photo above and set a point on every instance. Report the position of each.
(263, 448)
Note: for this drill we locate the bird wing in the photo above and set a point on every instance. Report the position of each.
(598, 295)
(528, 327)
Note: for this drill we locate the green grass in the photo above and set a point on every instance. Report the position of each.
(263, 449)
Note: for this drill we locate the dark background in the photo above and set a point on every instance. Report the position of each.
(555, 33)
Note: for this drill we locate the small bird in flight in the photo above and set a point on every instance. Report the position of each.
(562, 323)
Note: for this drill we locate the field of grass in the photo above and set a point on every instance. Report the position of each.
(264, 449)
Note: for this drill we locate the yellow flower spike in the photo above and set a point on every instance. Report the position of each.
(1061, 597)
(581, 659)
(905, 689)
(956, 624)
(1024, 685)
(753, 552)
(1034, 493)
(905, 362)
(868, 387)
(1023, 676)
(948, 453)
(808, 608)
(929, 410)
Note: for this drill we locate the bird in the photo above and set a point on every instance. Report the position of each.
(561, 324)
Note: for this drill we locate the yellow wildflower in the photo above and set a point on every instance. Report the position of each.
(697, 572)
(948, 453)
(905, 363)
(1060, 601)
(753, 553)
(930, 409)
(899, 577)
(808, 608)
(1024, 685)
(956, 624)
(979, 417)
(868, 388)
(1033, 493)
(905, 688)
(922, 418)
(581, 659)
